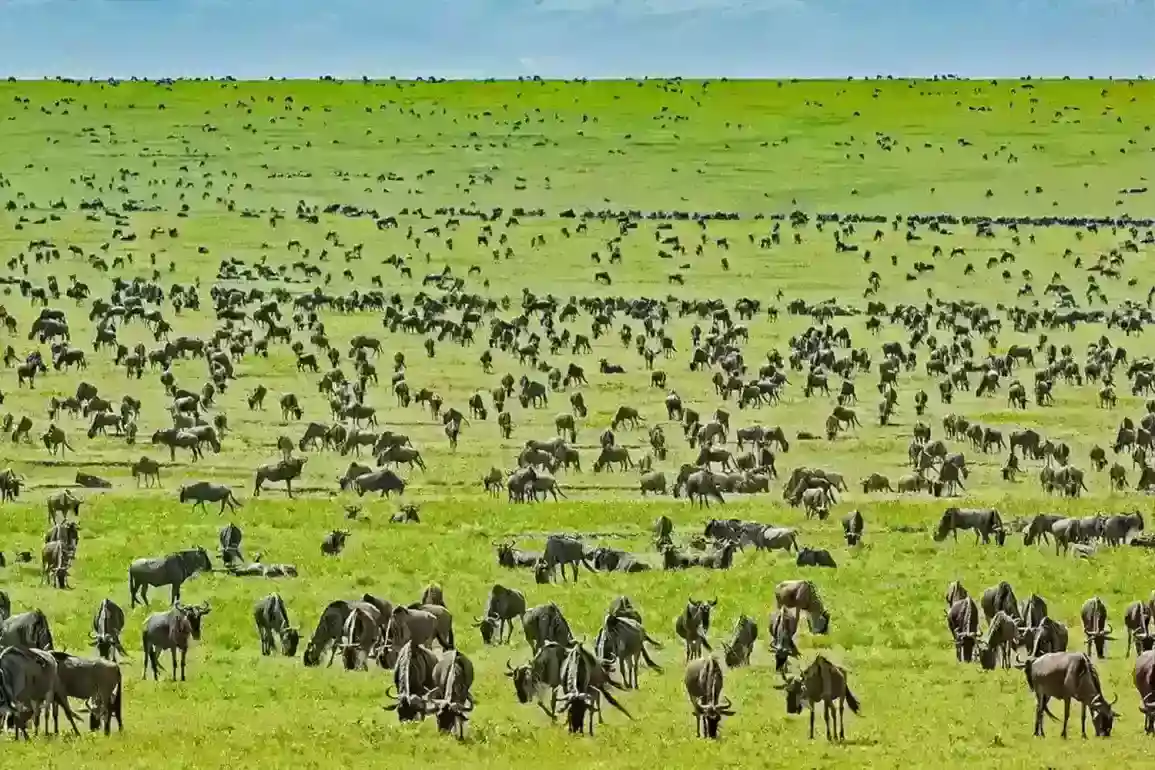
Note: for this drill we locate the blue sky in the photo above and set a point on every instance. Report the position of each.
(567, 38)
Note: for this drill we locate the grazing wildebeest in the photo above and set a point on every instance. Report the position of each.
(171, 631)
(413, 679)
(332, 623)
(824, 682)
(738, 649)
(272, 621)
(503, 605)
(583, 685)
(802, 596)
(384, 481)
(107, 626)
(1032, 610)
(693, 624)
(96, 681)
(954, 592)
(541, 675)
(564, 550)
(546, 623)
(853, 527)
(1067, 676)
(984, 521)
(783, 627)
(203, 492)
(1048, 636)
(704, 680)
(962, 619)
(28, 629)
(1095, 625)
(999, 642)
(63, 503)
(360, 636)
(1145, 684)
(284, 470)
(770, 538)
(450, 700)
(171, 570)
(30, 681)
(1119, 527)
(424, 624)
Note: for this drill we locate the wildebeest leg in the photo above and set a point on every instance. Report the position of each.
(842, 718)
(812, 722)
(826, 718)
(289, 487)
(173, 653)
(61, 700)
(1083, 717)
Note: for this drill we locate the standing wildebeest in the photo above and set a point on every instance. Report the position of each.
(28, 629)
(1145, 684)
(450, 700)
(704, 681)
(783, 627)
(332, 623)
(504, 604)
(962, 619)
(360, 636)
(107, 626)
(624, 639)
(63, 503)
(564, 550)
(954, 592)
(1040, 527)
(1000, 597)
(334, 542)
(693, 624)
(1067, 675)
(738, 649)
(1137, 619)
(583, 685)
(272, 620)
(423, 624)
(802, 596)
(284, 470)
(384, 481)
(171, 631)
(999, 642)
(30, 682)
(853, 527)
(984, 521)
(96, 681)
(546, 623)
(203, 492)
(1119, 527)
(171, 570)
(824, 682)
(413, 679)
(1095, 625)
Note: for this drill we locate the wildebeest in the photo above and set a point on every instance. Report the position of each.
(423, 624)
(332, 623)
(284, 470)
(502, 606)
(583, 685)
(171, 570)
(30, 681)
(984, 521)
(360, 635)
(1095, 625)
(107, 626)
(203, 492)
(450, 700)
(783, 627)
(624, 639)
(802, 596)
(1137, 620)
(546, 623)
(693, 624)
(1144, 678)
(814, 557)
(737, 651)
(1000, 597)
(999, 642)
(171, 630)
(28, 629)
(272, 621)
(542, 674)
(1066, 676)
(704, 681)
(63, 503)
(413, 679)
(384, 481)
(962, 620)
(853, 527)
(96, 681)
(824, 682)
(564, 550)
(334, 542)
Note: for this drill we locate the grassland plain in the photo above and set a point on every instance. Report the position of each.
(890, 147)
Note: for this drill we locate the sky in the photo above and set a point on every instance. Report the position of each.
(576, 38)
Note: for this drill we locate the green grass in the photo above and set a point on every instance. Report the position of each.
(749, 147)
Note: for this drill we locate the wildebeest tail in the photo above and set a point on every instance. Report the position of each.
(851, 701)
(1027, 670)
(649, 660)
(610, 699)
(233, 497)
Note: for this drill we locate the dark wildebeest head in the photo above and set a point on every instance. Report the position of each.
(194, 615)
(712, 713)
(290, 640)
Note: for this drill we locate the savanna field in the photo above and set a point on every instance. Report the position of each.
(199, 173)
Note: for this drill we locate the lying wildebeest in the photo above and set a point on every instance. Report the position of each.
(1067, 676)
(510, 557)
(704, 681)
(171, 631)
(802, 596)
(171, 570)
(413, 679)
(814, 557)
(824, 682)
(96, 681)
(450, 700)
(504, 604)
(272, 621)
(853, 527)
(29, 682)
(962, 619)
(203, 492)
(107, 626)
(984, 521)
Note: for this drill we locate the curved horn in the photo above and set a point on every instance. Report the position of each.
(389, 693)
(508, 666)
(1114, 700)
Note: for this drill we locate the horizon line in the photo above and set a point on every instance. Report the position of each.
(437, 79)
